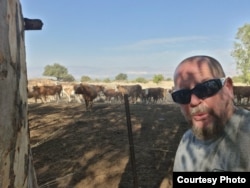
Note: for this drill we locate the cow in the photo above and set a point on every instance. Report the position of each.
(99, 89)
(133, 91)
(89, 93)
(44, 91)
(69, 91)
(34, 94)
(241, 92)
(112, 93)
(153, 94)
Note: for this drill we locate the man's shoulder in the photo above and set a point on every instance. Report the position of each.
(243, 116)
(242, 111)
(187, 135)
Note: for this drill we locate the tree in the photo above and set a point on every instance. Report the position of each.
(106, 80)
(168, 79)
(121, 77)
(237, 79)
(56, 70)
(158, 78)
(141, 80)
(68, 78)
(85, 79)
(16, 164)
(241, 52)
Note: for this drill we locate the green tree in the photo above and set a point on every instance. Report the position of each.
(158, 78)
(237, 79)
(241, 52)
(85, 79)
(141, 80)
(106, 80)
(68, 78)
(121, 77)
(97, 80)
(55, 70)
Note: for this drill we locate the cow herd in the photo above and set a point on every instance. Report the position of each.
(88, 93)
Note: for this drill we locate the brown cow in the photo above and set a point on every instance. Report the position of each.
(133, 91)
(34, 94)
(112, 93)
(99, 89)
(89, 93)
(44, 91)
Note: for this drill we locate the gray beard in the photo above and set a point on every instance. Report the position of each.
(208, 132)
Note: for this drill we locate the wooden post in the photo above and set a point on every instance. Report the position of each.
(16, 164)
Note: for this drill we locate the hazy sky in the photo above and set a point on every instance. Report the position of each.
(141, 38)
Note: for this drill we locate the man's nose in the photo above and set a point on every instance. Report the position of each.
(194, 101)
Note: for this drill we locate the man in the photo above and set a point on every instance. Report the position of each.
(219, 134)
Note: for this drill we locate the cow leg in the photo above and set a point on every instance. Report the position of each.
(58, 97)
(86, 104)
(78, 98)
(68, 96)
(36, 98)
(238, 99)
(109, 99)
(90, 105)
(43, 99)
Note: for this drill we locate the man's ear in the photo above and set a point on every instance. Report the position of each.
(229, 85)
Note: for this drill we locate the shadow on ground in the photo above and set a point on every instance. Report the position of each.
(75, 148)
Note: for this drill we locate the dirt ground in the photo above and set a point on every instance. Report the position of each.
(75, 148)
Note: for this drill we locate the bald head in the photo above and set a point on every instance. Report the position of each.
(198, 67)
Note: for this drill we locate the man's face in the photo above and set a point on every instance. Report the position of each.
(206, 116)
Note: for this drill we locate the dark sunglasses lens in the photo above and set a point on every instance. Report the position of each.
(203, 90)
(207, 89)
(182, 96)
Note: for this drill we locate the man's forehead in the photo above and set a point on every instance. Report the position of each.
(190, 70)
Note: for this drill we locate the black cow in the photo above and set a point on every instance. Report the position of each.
(153, 94)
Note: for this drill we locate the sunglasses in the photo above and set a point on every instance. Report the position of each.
(202, 91)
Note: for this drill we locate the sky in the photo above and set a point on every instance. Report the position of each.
(140, 38)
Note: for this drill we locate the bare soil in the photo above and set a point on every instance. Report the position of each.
(77, 148)
(73, 148)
